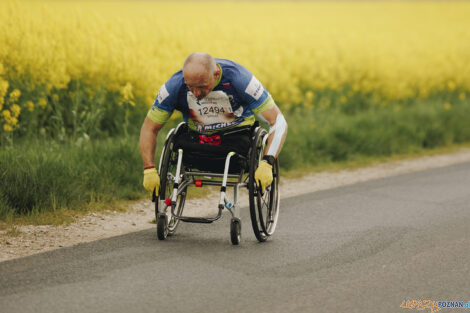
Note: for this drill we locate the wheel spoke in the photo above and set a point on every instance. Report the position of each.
(263, 199)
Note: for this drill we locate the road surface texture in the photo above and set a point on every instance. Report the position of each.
(360, 248)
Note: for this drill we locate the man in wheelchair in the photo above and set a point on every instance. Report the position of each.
(218, 99)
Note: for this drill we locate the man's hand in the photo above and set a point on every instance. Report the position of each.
(147, 143)
(151, 181)
(264, 175)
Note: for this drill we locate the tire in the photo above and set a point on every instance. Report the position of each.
(264, 209)
(235, 231)
(162, 226)
(169, 159)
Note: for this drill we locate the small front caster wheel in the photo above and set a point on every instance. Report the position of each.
(235, 231)
(162, 226)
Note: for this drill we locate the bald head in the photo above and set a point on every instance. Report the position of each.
(200, 73)
(199, 62)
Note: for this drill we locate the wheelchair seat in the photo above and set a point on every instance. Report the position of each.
(210, 157)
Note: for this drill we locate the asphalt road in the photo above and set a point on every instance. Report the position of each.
(360, 248)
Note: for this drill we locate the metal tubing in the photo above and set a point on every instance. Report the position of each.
(183, 181)
(184, 184)
(236, 211)
(208, 174)
(201, 219)
(164, 206)
(217, 183)
(227, 164)
(223, 199)
(177, 178)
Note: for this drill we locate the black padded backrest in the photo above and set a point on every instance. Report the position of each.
(208, 157)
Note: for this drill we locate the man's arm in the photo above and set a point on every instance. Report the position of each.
(277, 135)
(148, 141)
(278, 130)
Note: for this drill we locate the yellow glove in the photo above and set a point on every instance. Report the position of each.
(151, 180)
(264, 175)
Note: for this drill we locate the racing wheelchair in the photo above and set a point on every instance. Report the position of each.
(185, 162)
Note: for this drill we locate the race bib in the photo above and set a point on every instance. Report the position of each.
(214, 109)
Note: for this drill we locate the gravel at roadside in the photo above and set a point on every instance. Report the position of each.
(28, 240)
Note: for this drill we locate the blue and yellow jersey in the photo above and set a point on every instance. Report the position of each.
(237, 96)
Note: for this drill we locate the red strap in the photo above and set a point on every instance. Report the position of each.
(147, 167)
(210, 140)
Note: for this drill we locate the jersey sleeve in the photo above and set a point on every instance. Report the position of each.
(252, 91)
(266, 105)
(165, 102)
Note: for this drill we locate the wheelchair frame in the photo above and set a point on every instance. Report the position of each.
(264, 208)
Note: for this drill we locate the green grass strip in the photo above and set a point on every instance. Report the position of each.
(45, 177)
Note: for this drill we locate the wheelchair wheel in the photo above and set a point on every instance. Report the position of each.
(264, 208)
(235, 231)
(167, 171)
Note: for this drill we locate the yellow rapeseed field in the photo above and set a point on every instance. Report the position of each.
(390, 50)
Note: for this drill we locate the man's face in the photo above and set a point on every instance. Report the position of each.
(202, 83)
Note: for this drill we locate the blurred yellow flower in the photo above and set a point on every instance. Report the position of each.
(14, 95)
(447, 106)
(55, 98)
(13, 121)
(42, 103)
(3, 90)
(343, 99)
(30, 105)
(462, 96)
(7, 128)
(127, 95)
(6, 114)
(309, 95)
(16, 110)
